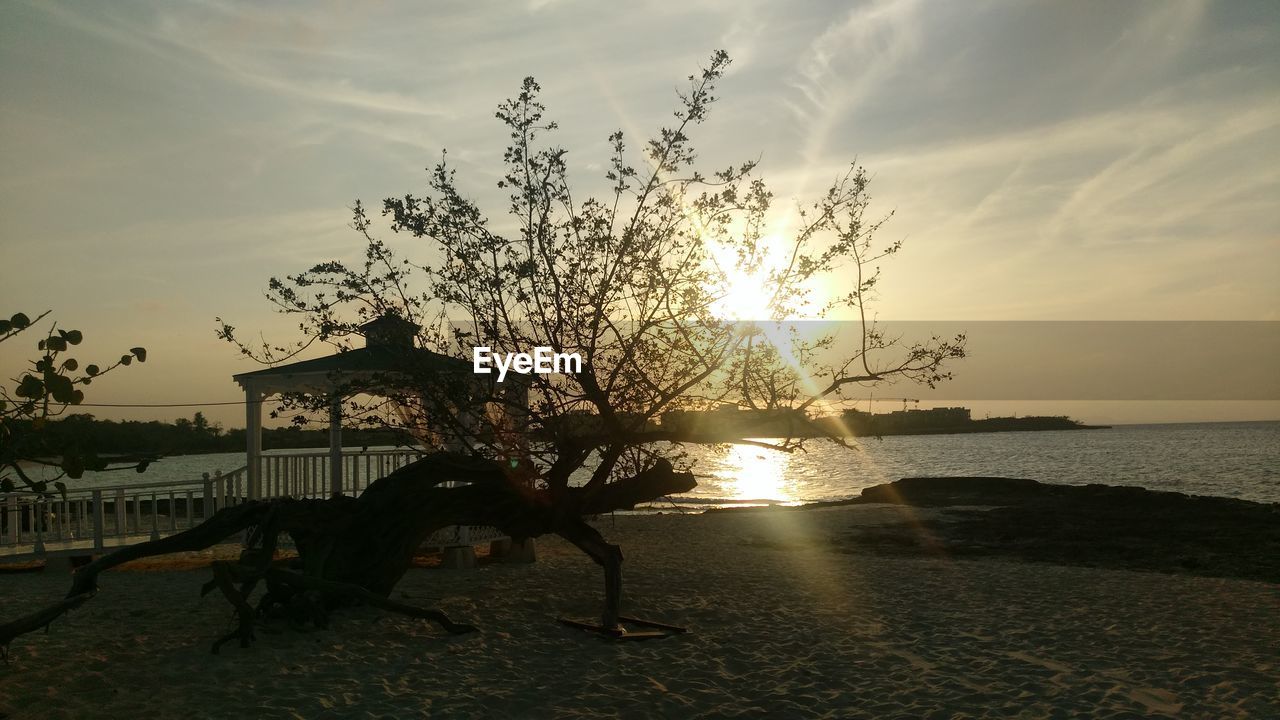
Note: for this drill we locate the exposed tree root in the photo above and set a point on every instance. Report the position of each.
(336, 589)
(39, 619)
(357, 549)
(244, 612)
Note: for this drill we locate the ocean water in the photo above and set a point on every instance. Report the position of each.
(1240, 460)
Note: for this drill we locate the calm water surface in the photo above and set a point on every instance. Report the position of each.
(1227, 459)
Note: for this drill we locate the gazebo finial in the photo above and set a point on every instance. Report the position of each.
(389, 330)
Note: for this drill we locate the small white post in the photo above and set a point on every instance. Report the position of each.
(37, 518)
(335, 445)
(122, 522)
(253, 438)
(155, 518)
(206, 509)
(99, 520)
(15, 518)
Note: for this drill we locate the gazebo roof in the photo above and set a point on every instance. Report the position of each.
(320, 373)
(389, 349)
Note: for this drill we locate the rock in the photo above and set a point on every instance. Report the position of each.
(936, 491)
(1096, 525)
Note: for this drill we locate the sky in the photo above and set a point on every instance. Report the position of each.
(1043, 160)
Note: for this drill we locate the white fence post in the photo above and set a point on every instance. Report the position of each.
(155, 518)
(15, 518)
(206, 510)
(122, 522)
(99, 520)
(37, 518)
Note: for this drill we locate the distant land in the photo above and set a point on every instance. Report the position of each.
(733, 423)
(725, 424)
(951, 420)
(193, 436)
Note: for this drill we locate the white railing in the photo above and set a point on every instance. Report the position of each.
(306, 474)
(89, 520)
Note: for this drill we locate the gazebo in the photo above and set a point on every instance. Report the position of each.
(389, 345)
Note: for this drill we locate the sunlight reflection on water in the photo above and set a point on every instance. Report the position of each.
(749, 473)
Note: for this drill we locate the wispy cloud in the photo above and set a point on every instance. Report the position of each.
(846, 64)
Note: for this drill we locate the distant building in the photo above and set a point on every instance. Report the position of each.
(731, 422)
(929, 418)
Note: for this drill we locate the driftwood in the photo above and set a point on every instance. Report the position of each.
(356, 549)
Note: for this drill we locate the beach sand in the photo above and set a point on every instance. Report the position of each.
(788, 618)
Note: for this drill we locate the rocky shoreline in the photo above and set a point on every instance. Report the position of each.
(1092, 525)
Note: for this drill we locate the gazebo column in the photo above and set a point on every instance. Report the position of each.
(335, 444)
(253, 438)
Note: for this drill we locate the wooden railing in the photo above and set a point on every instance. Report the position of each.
(306, 474)
(94, 518)
(89, 520)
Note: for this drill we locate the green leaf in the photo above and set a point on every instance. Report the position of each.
(71, 364)
(74, 337)
(56, 344)
(19, 320)
(30, 387)
(6, 485)
(92, 370)
(140, 353)
(5, 326)
(62, 489)
(77, 397)
(125, 360)
(60, 388)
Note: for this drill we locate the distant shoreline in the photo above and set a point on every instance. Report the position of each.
(1082, 426)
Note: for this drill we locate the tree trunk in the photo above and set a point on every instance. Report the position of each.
(357, 549)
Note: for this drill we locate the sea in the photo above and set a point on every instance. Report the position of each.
(1233, 459)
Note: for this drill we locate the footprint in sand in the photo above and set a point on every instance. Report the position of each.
(1156, 700)
(912, 659)
(1042, 662)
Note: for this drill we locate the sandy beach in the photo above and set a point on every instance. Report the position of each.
(787, 618)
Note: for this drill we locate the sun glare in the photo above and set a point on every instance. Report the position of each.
(743, 293)
(754, 473)
(744, 297)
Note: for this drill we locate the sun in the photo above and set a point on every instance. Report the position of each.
(741, 293)
(749, 295)
(743, 297)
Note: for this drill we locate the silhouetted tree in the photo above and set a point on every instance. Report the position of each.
(47, 390)
(636, 284)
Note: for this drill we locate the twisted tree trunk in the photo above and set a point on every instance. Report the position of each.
(357, 549)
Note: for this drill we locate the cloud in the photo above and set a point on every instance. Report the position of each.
(1020, 142)
(847, 64)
